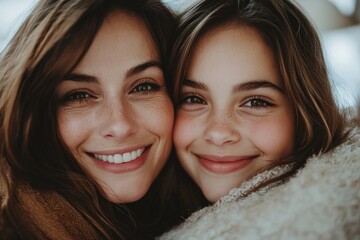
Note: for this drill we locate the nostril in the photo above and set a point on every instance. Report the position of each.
(222, 134)
(118, 124)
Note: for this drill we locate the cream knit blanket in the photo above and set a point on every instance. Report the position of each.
(322, 201)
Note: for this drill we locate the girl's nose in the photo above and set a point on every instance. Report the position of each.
(221, 130)
(119, 121)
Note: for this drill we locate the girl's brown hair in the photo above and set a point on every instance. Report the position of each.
(298, 54)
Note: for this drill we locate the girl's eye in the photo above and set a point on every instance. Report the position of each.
(145, 87)
(257, 102)
(192, 99)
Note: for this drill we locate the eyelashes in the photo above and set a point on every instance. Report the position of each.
(192, 99)
(253, 102)
(79, 97)
(257, 102)
(145, 86)
(85, 95)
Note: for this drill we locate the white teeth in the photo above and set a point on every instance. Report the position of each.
(127, 157)
(139, 152)
(120, 158)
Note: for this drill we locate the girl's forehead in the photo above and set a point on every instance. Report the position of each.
(230, 51)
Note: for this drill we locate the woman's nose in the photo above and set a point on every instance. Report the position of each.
(119, 120)
(221, 130)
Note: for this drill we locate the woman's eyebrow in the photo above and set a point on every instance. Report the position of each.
(80, 78)
(195, 84)
(251, 85)
(132, 71)
(142, 67)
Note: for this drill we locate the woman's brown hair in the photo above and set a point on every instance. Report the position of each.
(49, 44)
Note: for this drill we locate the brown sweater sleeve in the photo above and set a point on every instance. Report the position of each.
(49, 216)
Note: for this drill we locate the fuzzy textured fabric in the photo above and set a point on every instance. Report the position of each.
(50, 216)
(322, 201)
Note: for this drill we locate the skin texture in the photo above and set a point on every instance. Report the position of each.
(115, 104)
(234, 119)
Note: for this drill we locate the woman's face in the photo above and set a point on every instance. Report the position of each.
(114, 112)
(234, 117)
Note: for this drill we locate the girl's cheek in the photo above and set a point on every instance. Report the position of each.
(274, 138)
(184, 132)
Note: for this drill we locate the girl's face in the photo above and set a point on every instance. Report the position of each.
(114, 112)
(234, 117)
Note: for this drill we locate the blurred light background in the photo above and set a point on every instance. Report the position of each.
(337, 21)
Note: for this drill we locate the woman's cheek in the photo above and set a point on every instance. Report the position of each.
(73, 127)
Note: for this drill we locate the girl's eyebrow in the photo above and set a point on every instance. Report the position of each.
(251, 85)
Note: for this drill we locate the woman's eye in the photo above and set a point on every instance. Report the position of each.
(192, 99)
(145, 87)
(76, 97)
(257, 102)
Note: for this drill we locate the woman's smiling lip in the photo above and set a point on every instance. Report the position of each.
(121, 161)
(122, 151)
(120, 158)
(224, 164)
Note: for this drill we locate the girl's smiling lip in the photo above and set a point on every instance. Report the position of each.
(224, 164)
